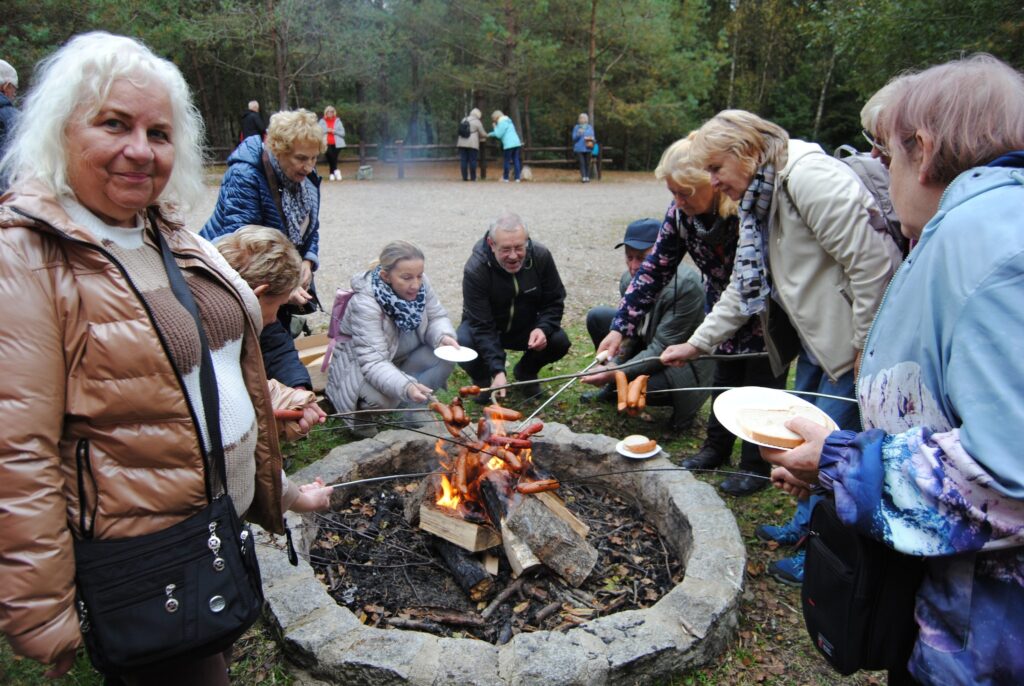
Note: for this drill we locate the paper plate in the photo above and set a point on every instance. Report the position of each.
(453, 354)
(727, 408)
(621, 450)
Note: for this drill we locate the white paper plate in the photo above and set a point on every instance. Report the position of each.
(728, 406)
(453, 354)
(620, 448)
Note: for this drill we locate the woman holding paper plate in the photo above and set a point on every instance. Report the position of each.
(395, 322)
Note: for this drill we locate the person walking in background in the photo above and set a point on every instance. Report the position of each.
(393, 322)
(470, 131)
(505, 131)
(8, 113)
(252, 123)
(583, 141)
(676, 311)
(334, 138)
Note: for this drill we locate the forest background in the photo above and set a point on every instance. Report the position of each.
(646, 71)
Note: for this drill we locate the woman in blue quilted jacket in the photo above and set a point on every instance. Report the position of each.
(275, 184)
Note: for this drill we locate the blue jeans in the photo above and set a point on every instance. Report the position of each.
(512, 158)
(811, 377)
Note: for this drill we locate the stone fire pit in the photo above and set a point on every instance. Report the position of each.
(686, 628)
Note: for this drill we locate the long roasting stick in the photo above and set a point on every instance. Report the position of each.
(729, 388)
(624, 365)
(601, 357)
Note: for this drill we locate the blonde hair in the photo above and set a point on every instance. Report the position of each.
(75, 82)
(972, 108)
(396, 251)
(330, 108)
(744, 135)
(262, 255)
(583, 118)
(288, 129)
(677, 164)
(496, 115)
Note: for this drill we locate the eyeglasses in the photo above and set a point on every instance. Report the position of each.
(876, 144)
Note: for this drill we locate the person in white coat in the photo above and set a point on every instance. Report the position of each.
(394, 321)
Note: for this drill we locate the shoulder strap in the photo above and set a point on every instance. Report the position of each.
(207, 376)
(275, 190)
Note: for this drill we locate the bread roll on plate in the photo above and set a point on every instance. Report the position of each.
(768, 425)
(639, 444)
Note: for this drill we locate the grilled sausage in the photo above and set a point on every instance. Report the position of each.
(538, 486)
(620, 386)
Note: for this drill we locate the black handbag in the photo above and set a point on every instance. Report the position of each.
(858, 596)
(187, 591)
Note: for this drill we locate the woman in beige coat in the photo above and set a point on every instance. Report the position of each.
(469, 146)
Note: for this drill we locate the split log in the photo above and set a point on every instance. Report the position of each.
(497, 490)
(427, 492)
(556, 505)
(454, 529)
(552, 540)
(468, 572)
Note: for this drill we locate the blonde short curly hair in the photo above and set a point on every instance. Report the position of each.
(298, 127)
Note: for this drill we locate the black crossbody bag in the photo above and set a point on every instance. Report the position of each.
(858, 596)
(187, 591)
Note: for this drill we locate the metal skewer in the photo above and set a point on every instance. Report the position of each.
(601, 357)
(729, 388)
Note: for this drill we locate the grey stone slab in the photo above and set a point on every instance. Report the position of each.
(306, 643)
(463, 662)
(572, 659)
(377, 656)
(640, 647)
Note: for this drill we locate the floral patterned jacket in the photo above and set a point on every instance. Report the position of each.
(713, 251)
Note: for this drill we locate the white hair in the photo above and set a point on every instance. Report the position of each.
(75, 82)
(8, 74)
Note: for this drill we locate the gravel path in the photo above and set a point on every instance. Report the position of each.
(579, 223)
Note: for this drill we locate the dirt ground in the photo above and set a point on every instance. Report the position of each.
(433, 208)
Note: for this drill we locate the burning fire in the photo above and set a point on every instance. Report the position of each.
(448, 499)
(495, 463)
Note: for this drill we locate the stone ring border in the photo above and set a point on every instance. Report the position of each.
(686, 628)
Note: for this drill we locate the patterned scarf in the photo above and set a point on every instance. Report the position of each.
(296, 200)
(749, 272)
(406, 314)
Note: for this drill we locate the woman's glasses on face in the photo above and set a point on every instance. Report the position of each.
(876, 144)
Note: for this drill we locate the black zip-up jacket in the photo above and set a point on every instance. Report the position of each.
(496, 303)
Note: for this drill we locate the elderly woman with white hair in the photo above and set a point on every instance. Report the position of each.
(812, 262)
(132, 367)
(583, 141)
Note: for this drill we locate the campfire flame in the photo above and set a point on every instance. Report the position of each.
(495, 463)
(449, 499)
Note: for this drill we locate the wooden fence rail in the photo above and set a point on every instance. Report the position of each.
(400, 154)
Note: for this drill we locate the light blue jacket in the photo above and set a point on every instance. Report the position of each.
(580, 133)
(940, 470)
(505, 131)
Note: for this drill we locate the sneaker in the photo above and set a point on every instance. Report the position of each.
(789, 570)
(339, 176)
(517, 180)
(789, 533)
(504, 180)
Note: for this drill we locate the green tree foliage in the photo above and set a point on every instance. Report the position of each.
(647, 71)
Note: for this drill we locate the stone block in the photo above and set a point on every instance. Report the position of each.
(572, 659)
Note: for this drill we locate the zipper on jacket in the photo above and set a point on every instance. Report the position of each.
(512, 307)
(152, 321)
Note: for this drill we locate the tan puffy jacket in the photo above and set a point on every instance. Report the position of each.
(82, 363)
